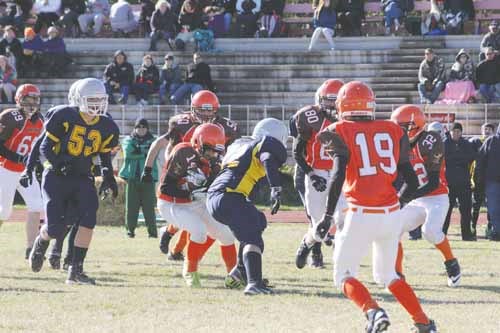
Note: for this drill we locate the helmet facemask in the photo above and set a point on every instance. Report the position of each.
(327, 104)
(93, 105)
(29, 105)
(205, 113)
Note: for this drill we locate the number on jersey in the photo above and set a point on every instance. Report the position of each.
(311, 116)
(383, 146)
(25, 145)
(76, 143)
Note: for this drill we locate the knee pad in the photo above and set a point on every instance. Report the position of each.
(251, 248)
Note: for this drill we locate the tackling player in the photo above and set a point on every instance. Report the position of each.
(247, 161)
(189, 167)
(368, 154)
(20, 128)
(74, 136)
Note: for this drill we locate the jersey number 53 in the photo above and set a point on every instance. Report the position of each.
(76, 144)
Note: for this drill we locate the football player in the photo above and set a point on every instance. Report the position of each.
(189, 167)
(74, 136)
(247, 161)
(427, 159)
(204, 106)
(20, 128)
(368, 154)
(316, 165)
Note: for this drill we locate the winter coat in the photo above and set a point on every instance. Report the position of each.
(325, 17)
(54, 45)
(135, 150)
(200, 73)
(491, 40)
(488, 160)
(458, 157)
(123, 74)
(149, 75)
(15, 47)
(36, 44)
(431, 70)
(462, 72)
(488, 71)
(171, 75)
(163, 22)
(9, 76)
(193, 20)
(456, 6)
(204, 39)
(147, 9)
(77, 6)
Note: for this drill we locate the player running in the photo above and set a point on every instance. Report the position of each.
(427, 159)
(368, 154)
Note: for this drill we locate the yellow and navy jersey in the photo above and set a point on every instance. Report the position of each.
(79, 141)
(246, 162)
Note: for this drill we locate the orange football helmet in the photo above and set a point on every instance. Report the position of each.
(356, 99)
(327, 95)
(28, 99)
(411, 118)
(204, 105)
(209, 137)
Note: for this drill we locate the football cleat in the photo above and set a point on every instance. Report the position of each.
(165, 238)
(378, 321)
(302, 254)
(37, 254)
(425, 328)
(235, 280)
(175, 256)
(77, 276)
(131, 234)
(317, 260)
(453, 271)
(27, 253)
(257, 289)
(55, 261)
(192, 279)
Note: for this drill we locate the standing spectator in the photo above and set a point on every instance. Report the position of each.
(197, 78)
(97, 12)
(478, 195)
(138, 194)
(170, 78)
(430, 77)
(8, 81)
(190, 16)
(491, 39)
(460, 87)
(324, 21)
(56, 59)
(72, 9)
(32, 52)
(459, 154)
(163, 25)
(119, 76)
(350, 15)
(488, 77)
(11, 47)
(246, 17)
(271, 13)
(46, 13)
(147, 9)
(456, 13)
(122, 18)
(147, 80)
(487, 177)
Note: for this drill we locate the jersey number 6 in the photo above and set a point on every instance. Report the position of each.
(383, 151)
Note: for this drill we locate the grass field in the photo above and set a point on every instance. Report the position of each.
(138, 291)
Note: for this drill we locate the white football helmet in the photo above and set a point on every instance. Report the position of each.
(437, 127)
(271, 127)
(71, 93)
(90, 96)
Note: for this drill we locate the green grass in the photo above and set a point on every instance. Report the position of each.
(138, 291)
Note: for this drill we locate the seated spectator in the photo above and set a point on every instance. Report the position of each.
(55, 58)
(488, 77)
(122, 18)
(430, 77)
(434, 23)
(247, 12)
(22, 11)
(491, 39)
(271, 13)
(324, 20)
(456, 13)
(11, 47)
(8, 81)
(97, 12)
(147, 9)
(6, 16)
(71, 9)
(32, 52)
(221, 13)
(204, 37)
(394, 12)
(460, 87)
(163, 25)
(46, 13)
(170, 78)
(190, 16)
(350, 14)
(147, 80)
(119, 76)
(197, 78)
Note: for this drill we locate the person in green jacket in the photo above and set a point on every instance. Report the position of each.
(138, 194)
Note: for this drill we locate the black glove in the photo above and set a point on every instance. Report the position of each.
(275, 199)
(318, 182)
(321, 230)
(108, 184)
(26, 178)
(147, 175)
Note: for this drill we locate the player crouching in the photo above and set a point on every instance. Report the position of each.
(188, 167)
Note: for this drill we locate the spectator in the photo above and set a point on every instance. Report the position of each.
(459, 155)
(147, 9)
(11, 47)
(55, 59)
(271, 13)
(8, 81)
(430, 77)
(456, 13)
(197, 78)
(23, 10)
(163, 25)
(32, 52)
(324, 20)
(487, 177)
(223, 11)
(460, 88)
(138, 194)
(46, 13)
(190, 16)
(394, 11)
(491, 39)
(478, 195)
(6, 16)
(246, 17)
(434, 23)
(350, 14)
(170, 78)
(488, 77)
(119, 76)
(204, 37)
(72, 9)
(97, 12)
(122, 18)
(147, 80)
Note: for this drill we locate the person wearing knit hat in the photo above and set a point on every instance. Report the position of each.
(138, 194)
(32, 52)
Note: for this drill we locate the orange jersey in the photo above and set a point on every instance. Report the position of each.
(18, 134)
(309, 122)
(427, 156)
(375, 149)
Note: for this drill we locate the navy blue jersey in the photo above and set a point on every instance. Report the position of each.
(246, 162)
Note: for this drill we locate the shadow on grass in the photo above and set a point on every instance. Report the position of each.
(33, 290)
(33, 278)
(494, 289)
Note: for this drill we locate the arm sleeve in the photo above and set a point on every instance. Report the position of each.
(481, 163)
(299, 150)
(421, 77)
(34, 156)
(272, 155)
(107, 166)
(406, 170)
(128, 150)
(339, 168)
(47, 150)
